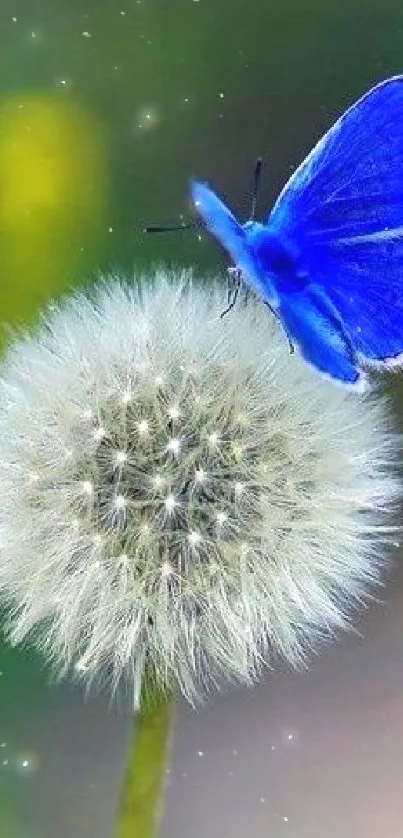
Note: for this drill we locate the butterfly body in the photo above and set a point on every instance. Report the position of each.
(329, 257)
(275, 256)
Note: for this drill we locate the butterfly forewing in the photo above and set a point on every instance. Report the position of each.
(343, 209)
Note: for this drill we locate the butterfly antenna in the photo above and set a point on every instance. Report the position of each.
(256, 181)
(156, 229)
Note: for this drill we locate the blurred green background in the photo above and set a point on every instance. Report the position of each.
(107, 107)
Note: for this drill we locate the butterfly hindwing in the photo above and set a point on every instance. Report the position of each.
(312, 322)
(343, 210)
(365, 284)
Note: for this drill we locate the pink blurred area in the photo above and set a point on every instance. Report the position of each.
(315, 755)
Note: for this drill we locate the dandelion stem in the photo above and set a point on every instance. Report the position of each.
(143, 787)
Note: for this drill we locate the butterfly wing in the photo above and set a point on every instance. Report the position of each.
(220, 221)
(343, 210)
(312, 322)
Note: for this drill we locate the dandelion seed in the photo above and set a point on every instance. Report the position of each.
(120, 458)
(170, 502)
(174, 446)
(174, 413)
(237, 450)
(214, 439)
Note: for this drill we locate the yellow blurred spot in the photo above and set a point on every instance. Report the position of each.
(52, 198)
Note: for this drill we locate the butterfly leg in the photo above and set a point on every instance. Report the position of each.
(233, 288)
(273, 311)
(237, 274)
(234, 276)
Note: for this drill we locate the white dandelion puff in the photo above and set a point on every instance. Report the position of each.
(221, 505)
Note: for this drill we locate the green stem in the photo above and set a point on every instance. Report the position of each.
(143, 788)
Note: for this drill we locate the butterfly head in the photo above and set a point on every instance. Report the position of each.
(237, 239)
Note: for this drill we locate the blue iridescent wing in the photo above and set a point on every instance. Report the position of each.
(343, 210)
(220, 221)
(313, 323)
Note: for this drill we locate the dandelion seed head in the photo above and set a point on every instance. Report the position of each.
(221, 507)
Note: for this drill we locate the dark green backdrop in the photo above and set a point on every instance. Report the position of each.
(107, 107)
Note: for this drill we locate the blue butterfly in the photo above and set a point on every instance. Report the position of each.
(329, 258)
